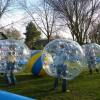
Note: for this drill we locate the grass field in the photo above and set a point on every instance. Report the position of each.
(84, 87)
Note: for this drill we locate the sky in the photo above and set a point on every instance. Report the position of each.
(18, 19)
(12, 18)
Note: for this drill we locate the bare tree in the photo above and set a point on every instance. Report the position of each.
(4, 6)
(44, 17)
(94, 34)
(78, 14)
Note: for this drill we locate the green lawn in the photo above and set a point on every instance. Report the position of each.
(84, 87)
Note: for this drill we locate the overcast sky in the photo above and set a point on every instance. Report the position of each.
(14, 16)
(16, 19)
(21, 18)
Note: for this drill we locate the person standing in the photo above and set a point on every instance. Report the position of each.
(61, 74)
(61, 68)
(11, 59)
(91, 60)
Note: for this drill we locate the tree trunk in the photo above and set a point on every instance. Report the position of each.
(48, 39)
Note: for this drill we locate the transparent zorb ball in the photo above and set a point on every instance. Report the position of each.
(63, 58)
(19, 51)
(92, 54)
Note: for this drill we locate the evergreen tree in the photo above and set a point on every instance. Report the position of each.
(32, 34)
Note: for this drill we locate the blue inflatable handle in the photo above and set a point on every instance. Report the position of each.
(10, 96)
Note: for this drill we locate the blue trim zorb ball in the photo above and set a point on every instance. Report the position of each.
(92, 54)
(63, 59)
(15, 51)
